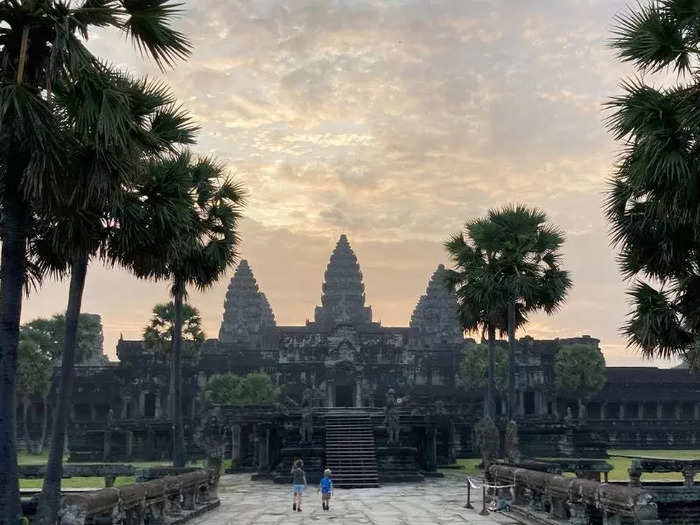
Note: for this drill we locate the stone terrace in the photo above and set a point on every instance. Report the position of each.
(439, 501)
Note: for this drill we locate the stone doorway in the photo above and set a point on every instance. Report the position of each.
(344, 396)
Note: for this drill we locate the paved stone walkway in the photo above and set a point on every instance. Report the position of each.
(440, 501)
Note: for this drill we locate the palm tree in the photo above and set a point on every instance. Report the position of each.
(199, 248)
(525, 250)
(652, 202)
(158, 336)
(41, 45)
(66, 241)
(480, 300)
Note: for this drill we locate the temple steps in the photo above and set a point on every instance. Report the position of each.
(351, 449)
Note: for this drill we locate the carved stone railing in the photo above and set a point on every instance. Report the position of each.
(640, 465)
(551, 498)
(155, 502)
(108, 471)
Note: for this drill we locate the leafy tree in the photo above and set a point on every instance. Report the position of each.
(158, 337)
(34, 372)
(525, 251)
(653, 199)
(42, 47)
(579, 370)
(253, 389)
(199, 249)
(474, 366)
(49, 334)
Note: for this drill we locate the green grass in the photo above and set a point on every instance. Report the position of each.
(470, 467)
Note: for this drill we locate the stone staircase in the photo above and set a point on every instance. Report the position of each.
(350, 449)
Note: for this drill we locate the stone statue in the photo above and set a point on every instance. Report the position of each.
(511, 443)
(391, 417)
(210, 436)
(110, 419)
(568, 418)
(306, 428)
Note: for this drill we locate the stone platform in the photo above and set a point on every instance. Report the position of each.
(438, 501)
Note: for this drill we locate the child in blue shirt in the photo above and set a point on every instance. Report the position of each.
(326, 488)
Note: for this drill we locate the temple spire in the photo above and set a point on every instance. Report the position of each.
(343, 298)
(246, 310)
(434, 319)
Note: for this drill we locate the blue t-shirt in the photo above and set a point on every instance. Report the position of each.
(326, 485)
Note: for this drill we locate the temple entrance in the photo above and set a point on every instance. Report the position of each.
(344, 396)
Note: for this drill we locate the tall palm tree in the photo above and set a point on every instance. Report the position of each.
(525, 250)
(479, 297)
(653, 198)
(158, 337)
(42, 44)
(66, 241)
(198, 252)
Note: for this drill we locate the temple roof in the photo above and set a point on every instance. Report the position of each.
(343, 297)
(247, 312)
(435, 316)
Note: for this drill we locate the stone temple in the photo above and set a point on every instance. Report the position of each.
(342, 370)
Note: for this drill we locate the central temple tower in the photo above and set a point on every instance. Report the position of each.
(343, 298)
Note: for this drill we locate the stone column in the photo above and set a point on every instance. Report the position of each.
(659, 410)
(678, 410)
(93, 412)
(158, 410)
(142, 404)
(107, 444)
(604, 410)
(129, 444)
(622, 410)
(235, 444)
(358, 392)
(696, 411)
(640, 410)
(431, 449)
(125, 405)
(331, 392)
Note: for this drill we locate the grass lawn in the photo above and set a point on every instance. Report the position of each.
(90, 482)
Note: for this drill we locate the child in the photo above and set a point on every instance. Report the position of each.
(326, 488)
(299, 483)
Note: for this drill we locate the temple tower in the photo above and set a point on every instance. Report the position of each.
(343, 298)
(434, 319)
(246, 311)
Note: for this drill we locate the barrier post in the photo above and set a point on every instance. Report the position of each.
(484, 511)
(469, 494)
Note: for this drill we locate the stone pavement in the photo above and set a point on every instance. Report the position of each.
(439, 501)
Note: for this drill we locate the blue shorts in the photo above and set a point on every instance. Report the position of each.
(298, 489)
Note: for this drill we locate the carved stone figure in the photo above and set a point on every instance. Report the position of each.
(391, 417)
(511, 443)
(306, 428)
(569, 418)
(210, 436)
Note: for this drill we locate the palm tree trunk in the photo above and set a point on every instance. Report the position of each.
(16, 215)
(491, 389)
(511, 359)
(171, 384)
(49, 499)
(25, 425)
(44, 423)
(179, 454)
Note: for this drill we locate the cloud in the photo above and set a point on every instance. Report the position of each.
(395, 121)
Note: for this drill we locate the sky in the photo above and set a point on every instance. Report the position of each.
(394, 121)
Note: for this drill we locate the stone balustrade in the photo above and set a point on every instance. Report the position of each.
(155, 502)
(640, 465)
(550, 498)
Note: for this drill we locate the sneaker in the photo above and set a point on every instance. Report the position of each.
(294, 506)
(299, 509)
